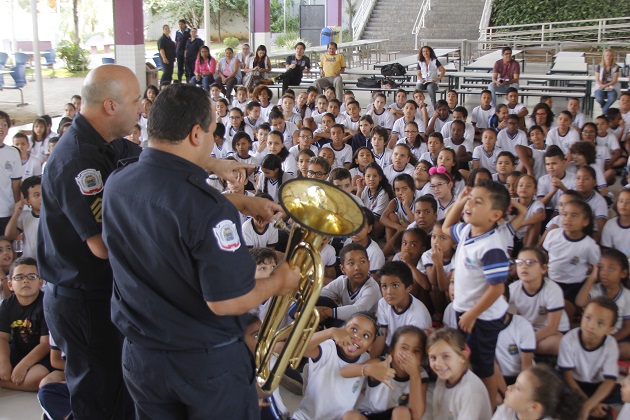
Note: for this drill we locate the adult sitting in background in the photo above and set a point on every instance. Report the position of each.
(244, 55)
(331, 66)
(193, 45)
(229, 73)
(504, 75)
(297, 64)
(607, 78)
(256, 68)
(205, 67)
(428, 68)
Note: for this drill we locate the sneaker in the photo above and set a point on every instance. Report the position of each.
(292, 381)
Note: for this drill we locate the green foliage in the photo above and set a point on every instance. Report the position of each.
(287, 41)
(76, 58)
(509, 12)
(231, 42)
(346, 35)
(277, 17)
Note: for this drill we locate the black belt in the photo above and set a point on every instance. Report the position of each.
(74, 293)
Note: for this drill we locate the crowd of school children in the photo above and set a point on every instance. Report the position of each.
(493, 261)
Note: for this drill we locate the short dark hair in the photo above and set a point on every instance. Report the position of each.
(462, 110)
(511, 90)
(339, 174)
(183, 21)
(499, 195)
(461, 123)
(427, 198)
(21, 261)
(263, 254)
(396, 269)
(275, 113)
(29, 183)
(177, 109)
(300, 43)
(507, 154)
(332, 43)
(584, 148)
(219, 130)
(349, 248)
(606, 303)
(334, 100)
(616, 255)
(5, 116)
(506, 49)
(612, 112)
(553, 151)
(252, 104)
(338, 126)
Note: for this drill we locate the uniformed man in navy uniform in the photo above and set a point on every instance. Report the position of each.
(181, 36)
(71, 254)
(182, 273)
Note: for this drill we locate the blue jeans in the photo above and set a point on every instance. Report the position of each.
(492, 87)
(605, 98)
(430, 87)
(205, 82)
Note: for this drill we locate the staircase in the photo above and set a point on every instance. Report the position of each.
(447, 19)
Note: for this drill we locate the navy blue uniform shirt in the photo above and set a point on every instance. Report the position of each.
(72, 199)
(174, 244)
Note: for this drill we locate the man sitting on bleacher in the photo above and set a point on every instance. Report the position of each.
(505, 74)
(331, 66)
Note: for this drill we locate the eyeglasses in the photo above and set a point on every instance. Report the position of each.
(438, 185)
(528, 263)
(316, 174)
(22, 277)
(306, 137)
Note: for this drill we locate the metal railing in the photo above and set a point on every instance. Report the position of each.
(594, 30)
(424, 8)
(485, 20)
(361, 18)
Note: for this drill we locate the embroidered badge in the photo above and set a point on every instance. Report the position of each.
(227, 235)
(8, 166)
(90, 182)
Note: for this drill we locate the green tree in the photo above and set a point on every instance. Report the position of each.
(192, 10)
(276, 8)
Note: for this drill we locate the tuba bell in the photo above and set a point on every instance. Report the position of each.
(319, 210)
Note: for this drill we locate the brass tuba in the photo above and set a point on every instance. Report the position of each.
(319, 210)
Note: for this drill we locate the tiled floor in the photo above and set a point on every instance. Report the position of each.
(17, 405)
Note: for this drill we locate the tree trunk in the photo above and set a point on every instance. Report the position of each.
(75, 18)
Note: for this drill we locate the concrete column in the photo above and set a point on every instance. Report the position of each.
(129, 37)
(333, 12)
(260, 23)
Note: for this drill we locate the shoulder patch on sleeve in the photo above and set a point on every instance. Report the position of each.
(227, 235)
(90, 182)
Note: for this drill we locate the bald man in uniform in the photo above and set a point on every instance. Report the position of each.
(72, 256)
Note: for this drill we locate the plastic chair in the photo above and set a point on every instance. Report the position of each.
(3, 61)
(20, 59)
(18, 73)
(158, 61)
(108, 60)
(51, 59)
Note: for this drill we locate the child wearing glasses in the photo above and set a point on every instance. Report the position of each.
(305, 142)
(24, 345)
(539, 300)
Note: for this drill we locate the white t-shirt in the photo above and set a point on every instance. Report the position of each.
(469, 130)
(544, 187)
(622, 300)
(468, 399)
(479, 262)
(570, 260)
(516, 338)
(481, 117)
(273, 186)
(486, 160)
(415, 314)
(328, 395)
(588, 366)
(268, 237)
(391, 173)
(385, 119)
(28, 223)
(230, 132)
(32, 167)
(450, 317)
(363, 299)
(508, 142)
(535, 308)
(534, 207)
(399, 126)
(384, 159)
(467, 143)
(375, 203)
(563, 142)
(378, 397)
(342, 156)
(10, 170)
(287, 134)
(614, 235)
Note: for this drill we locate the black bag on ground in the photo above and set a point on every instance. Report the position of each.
(394, 69)
(369, 82)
